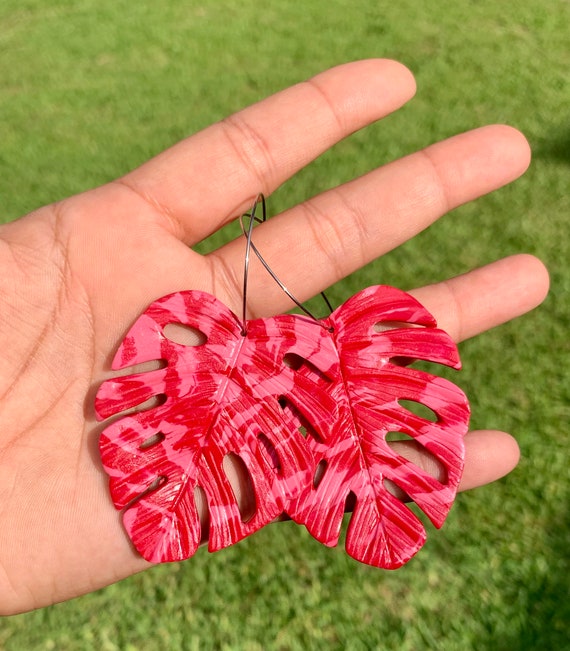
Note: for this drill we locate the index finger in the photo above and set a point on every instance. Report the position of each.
(204, 181)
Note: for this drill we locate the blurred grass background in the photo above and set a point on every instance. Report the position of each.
(91, 88)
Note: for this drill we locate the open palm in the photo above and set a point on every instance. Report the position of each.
(76, 274)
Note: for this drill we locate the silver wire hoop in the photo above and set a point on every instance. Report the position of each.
(250, 246)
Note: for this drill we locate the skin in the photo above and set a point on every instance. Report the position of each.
(75, 275)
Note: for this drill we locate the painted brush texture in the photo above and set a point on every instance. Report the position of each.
(304, 406)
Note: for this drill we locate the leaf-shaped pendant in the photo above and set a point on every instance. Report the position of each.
(221, 398)
(364, 390)
(306, 407)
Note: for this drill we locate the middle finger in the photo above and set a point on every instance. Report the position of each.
(328, 237)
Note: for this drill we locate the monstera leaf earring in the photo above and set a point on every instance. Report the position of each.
(304, 407)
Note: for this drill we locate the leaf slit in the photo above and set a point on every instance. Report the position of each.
(293, 361)
(350, 502)
(201, 502)
(151, 441)
(241, 484)
(184, 335)
(410, 449)
(270, 453)
(151, 403)
(396, 491)
(298, 363)
(304, 427)
(143, 367)
(319, 473)
(157, 483)
(419, 409)
(383, 326)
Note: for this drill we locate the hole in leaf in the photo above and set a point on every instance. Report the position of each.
(294, 361)
(242, 485)
(402, 361)
(156, 484)
(184, 335)
(304, 427)
(407, 447)
(298, 363)
(382, 326)
(319, 472)
(201, 502)
(396, 491)
(150, 403)
(143, 367)
(350, 502)
(151, 441)
(398, 436)
(269, 452)
(419, 409)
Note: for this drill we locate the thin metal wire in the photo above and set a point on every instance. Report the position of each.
(250, 246)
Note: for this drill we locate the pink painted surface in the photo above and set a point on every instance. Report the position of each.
(305, 405)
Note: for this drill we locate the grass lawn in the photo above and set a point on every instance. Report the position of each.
(91, 88)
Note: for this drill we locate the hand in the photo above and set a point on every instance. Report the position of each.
(75, 275)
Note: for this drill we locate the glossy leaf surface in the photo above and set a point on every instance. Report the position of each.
(306, 408)
(358, 405)
(219, 398)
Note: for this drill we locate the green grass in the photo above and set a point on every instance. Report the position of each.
(91, 88)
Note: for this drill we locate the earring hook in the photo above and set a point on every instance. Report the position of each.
(250, 246)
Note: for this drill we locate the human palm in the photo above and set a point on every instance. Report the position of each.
(76, 274)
